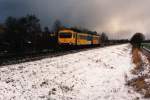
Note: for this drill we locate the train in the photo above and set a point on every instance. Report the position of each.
(68, 37)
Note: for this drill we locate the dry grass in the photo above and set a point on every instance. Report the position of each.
(139, 84)
(136, 57)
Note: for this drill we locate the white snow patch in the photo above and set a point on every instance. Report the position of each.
(97, 74)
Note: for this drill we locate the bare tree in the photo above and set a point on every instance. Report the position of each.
(104, 38)
(21, 30)
(56, 27)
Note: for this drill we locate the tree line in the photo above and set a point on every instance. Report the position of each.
(25, 34)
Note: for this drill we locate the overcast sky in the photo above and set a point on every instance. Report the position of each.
(119, 18)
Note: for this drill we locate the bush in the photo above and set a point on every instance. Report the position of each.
(137, 39)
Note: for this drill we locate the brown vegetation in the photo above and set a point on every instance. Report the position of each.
(138, 83)
(140, 86)
(136, 57)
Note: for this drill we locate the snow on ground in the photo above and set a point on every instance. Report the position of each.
(97, 74)
(146, 66)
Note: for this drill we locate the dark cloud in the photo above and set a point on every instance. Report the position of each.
(120, 18)
(14, 7)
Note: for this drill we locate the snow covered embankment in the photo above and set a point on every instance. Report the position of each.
(97, 74)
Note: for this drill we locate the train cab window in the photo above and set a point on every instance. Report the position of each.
(65, 35)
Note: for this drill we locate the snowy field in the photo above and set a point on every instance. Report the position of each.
(97, 74)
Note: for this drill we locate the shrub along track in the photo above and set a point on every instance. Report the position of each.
(140, 82)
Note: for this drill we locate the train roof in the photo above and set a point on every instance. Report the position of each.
(68, 30)
(71, 30)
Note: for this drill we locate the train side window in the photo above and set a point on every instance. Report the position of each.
(89, 37)
(83, 37)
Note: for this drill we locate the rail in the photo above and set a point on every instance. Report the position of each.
(148, 50)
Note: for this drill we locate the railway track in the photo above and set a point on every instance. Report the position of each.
(146, 52)
(13, 59)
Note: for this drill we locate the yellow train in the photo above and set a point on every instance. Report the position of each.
(70, 37)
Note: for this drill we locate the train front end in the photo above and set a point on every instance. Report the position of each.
(66, 37)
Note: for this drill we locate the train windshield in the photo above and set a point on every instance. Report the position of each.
(65, 35)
